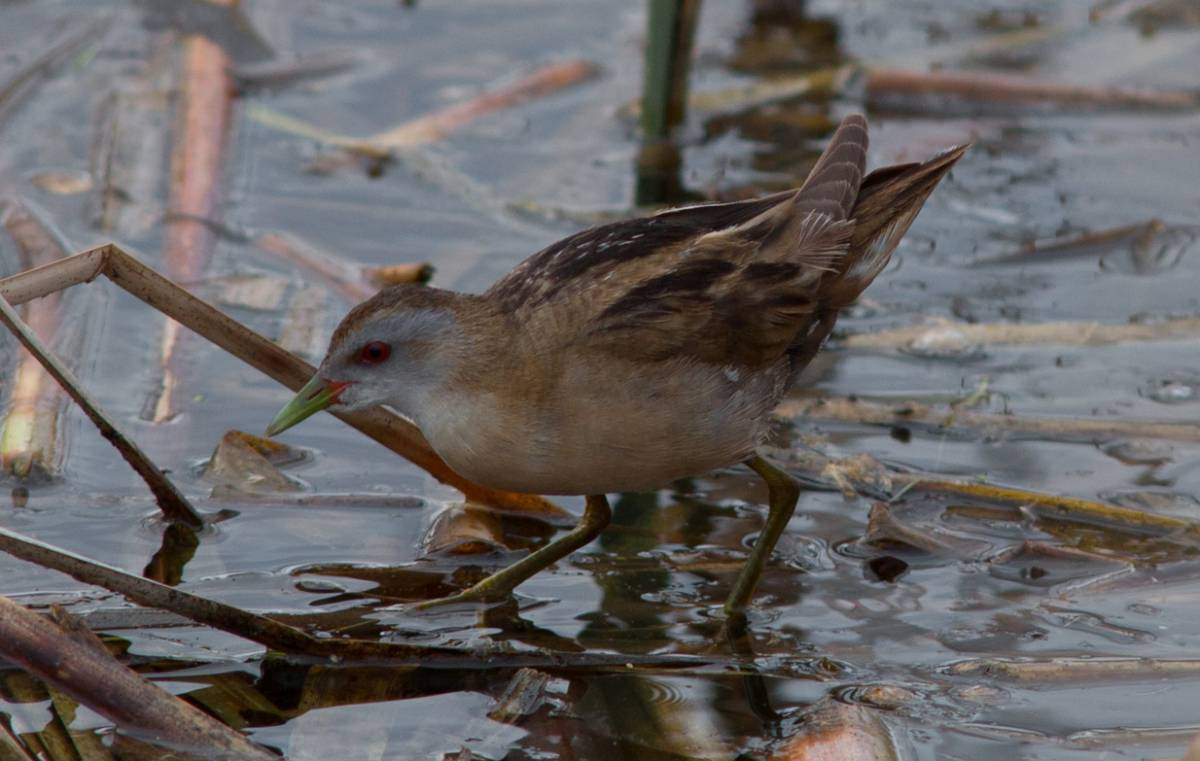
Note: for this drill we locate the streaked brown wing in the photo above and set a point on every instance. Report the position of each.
(744, 293)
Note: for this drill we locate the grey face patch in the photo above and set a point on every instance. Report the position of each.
(414, 365)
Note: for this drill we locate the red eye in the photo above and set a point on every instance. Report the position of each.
(374, 352)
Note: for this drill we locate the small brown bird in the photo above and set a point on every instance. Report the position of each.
(632, 354)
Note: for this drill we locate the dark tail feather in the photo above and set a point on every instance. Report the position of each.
(834, 182)
(888, 201)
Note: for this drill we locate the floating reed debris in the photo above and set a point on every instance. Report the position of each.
(435, 126)
(352, 282)
(542, 81)
(1071, 333)
(935, 91)
(1080, 244)
(197, 161)
(947, 417)
(1081, 669)
(71, 658)
(389, 429)
(991, 89)
(32, 444)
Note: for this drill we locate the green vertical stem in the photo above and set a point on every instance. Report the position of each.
(670, 30)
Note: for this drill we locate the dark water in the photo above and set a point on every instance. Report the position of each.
(478, 202)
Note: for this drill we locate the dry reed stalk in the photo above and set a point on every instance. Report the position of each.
(74, 661)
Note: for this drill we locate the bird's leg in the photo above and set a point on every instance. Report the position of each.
(783, 493)
(497, 586)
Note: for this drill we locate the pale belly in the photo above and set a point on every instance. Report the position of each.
(589, 437)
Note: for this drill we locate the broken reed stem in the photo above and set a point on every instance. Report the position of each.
(1081, 333)
(77, 664)
(172, 503)
(847, 410)
(388, 429)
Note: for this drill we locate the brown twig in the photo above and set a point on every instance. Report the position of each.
(849, 410)
(388, 429)
(173, 504)
(77, 664)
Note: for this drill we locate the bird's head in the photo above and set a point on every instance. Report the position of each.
(396, 348)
